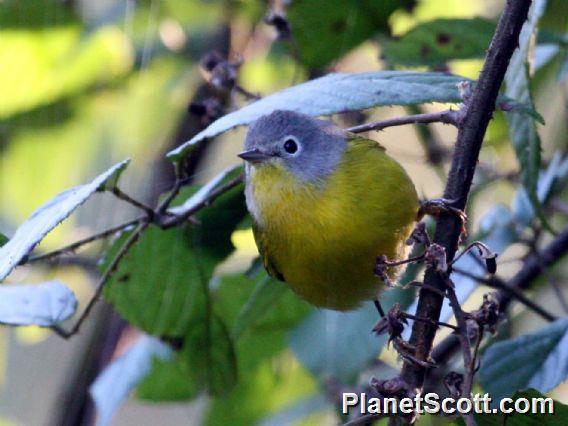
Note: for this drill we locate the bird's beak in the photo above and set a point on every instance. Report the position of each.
(254, 156)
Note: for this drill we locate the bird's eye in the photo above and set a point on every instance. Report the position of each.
(290, 146)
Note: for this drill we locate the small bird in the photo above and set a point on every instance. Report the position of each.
(325, 203)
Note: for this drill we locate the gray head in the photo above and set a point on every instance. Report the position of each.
(308, 147)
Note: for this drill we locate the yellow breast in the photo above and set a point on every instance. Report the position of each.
(324, 237)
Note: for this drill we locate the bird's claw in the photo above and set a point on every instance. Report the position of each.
(408, 353)
(438, 206)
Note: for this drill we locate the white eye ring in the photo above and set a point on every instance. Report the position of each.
(291, 145)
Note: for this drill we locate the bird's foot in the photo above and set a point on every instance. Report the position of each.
(429, 321)
(438, 206)
(392, 323)
(419, 236)
(428, 287)
(382, 264)
(408, 353)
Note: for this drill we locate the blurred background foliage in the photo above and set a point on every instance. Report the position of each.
(86, 84)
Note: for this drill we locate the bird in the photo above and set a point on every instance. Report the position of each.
(325, 203)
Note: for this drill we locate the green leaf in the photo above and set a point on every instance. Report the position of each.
(42, 67)
(539, 360)
(559, 417)
(271, 386)
(260, 312)
(210, 355)
(335, 93)
(3, 239)
(325, 31)
(168, 380)
(158, 285)
(269, 377)
(161, 285)
(206, 362)
(263, 338)
(298, 411)
(524, 135)
(340, 344)
(47, 217)
(439, 41)
(263, 298)
(18, 14)
(205, 191)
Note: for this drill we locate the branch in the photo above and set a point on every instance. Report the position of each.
(463, 337)
(534, 266)
(447, 117)
(102, 281)
(365, 420)
(72, 247)
(164, 220)
(477, 112)
(531, 270)
(162, 207)
(516, 294)
(118, 193)
(176, 220)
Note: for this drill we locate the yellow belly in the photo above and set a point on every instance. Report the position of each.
(324, 238)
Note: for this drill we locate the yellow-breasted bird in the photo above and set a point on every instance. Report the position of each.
(325, 203)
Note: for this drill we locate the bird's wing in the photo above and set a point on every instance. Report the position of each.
(356, 140)
(265, 255)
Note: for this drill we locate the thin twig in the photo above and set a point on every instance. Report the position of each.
(418, 284)
(476, 350)
(436, 323)
(447, 117)
(482, 247)
(167, 221)
(546, 273)
(414, 259)
(248, 95)
(76, 245)
(162, 207)
(531, 270)
(102, 281)
(365, 420)
(499, 284)
(118, 193)
(533, 266)
(466, 349)
(213, 195)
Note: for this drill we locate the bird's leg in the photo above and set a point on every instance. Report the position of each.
(419, 235)
(429, 321)
(393, 323)
(379, 308)
(419, 284)
(382, 264)
(407, 352)
(438, 206)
